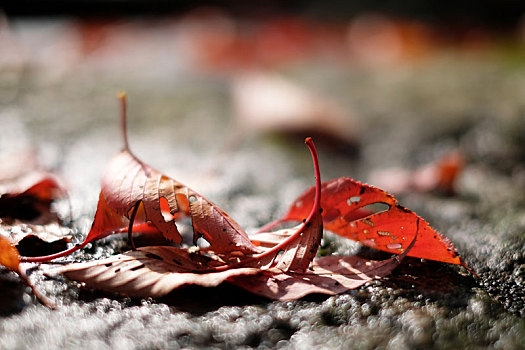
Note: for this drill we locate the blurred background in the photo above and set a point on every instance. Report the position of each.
(383, 85)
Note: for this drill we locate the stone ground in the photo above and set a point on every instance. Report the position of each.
(180, 122)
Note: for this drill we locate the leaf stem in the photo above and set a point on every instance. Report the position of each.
(315, 208)
(123, 118)
(309, 142)
(46, 258)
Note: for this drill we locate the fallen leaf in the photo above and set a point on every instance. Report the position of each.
(327, 275)
(134, 193)
(26, 191)
(267, 103)
(156, 271)
(439, 176)
(10, 258)
(35, 240)
(349, 211)
(26, 195)
(130, 187)
(150, 271)
(18, 231)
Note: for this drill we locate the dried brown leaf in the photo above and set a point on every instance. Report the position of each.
(327, 275)
(151, 271)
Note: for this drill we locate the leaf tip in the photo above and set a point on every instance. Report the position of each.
(464, 264)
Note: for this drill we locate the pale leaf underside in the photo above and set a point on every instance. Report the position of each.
(17, 231)
(156, 271)
(327, 275)
(150, 271)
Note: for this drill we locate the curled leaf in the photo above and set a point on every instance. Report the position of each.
(299, 245)
(35, 240)
(26, 191)
(130, 185)
(134, 194)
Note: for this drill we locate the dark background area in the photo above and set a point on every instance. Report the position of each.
(499, 15)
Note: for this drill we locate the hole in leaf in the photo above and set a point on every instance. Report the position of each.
(165, 209)
(394, 246)
(367, 210)
(202, 242)
(354, 199)
(137, 267)
(140, 215)
(34, 246)
(278, 256)
(153, 256)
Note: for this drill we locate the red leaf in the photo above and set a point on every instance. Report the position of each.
(26, 191)
(10, 259)
(131, 187)
(347, 212)
(441, 176)
(132, 191)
